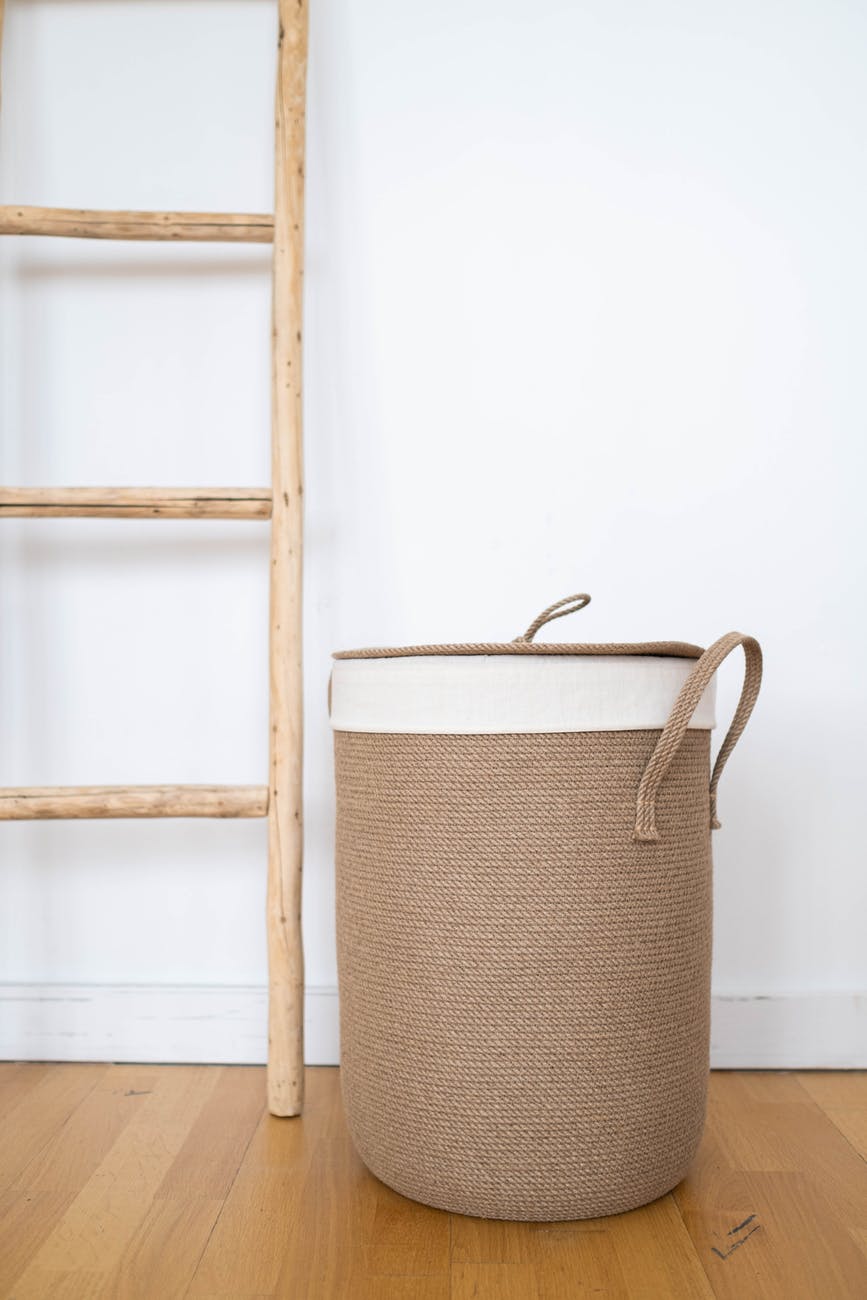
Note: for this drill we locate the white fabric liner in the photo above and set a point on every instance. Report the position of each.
(497, 694)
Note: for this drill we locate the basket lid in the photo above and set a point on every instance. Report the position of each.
(492, 687)
(525, 645)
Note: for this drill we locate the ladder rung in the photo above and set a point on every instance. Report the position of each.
(197, 227)
(29, 803)
(136, 503)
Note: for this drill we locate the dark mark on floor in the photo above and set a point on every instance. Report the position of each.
(740, 1226)
(724, 1254)
(145, 1092)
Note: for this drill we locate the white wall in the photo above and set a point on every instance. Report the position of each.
(586, 308)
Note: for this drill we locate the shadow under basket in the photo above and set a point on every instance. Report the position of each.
(524, 916)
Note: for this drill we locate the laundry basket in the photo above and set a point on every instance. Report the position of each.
(524, 916)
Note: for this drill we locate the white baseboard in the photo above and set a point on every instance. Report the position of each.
(170, 1023)
(792, 1031)
(65, 1022)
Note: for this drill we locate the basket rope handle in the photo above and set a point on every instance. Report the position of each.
(675, 728)
(560, 608)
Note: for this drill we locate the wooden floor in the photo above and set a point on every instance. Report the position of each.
(169, 1181)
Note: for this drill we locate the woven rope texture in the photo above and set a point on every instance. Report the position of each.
(678, 649)
(524, 988)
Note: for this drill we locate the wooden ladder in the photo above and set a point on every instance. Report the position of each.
(281, 799)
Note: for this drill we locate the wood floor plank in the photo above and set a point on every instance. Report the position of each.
(90, 1238)
(790, 1137)
(400, 1288)
(598, 1267)
(17, 1078)
(406, 1239)
(772, 1086)
(576, 1260)
(132, 1182)
(712, 1183)
(326, 1254)
(38, 1111)
(490, 1241)
(843, 1098)
(353, 1236)
(774, 1195)
(837, 1089)
(168, 1245)
(304, 1218)
(494, 1281)
(208, 1161)
(76, 1150)
(793, 1248)
(567, 1259)
(852, 1124)
(657, 1256)
(373, 1288)
(561, 1261)
(249, 1240)
(26, 1219)
(55, 1284)
(246, 1251)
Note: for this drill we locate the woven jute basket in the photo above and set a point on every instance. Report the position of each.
(524, 916)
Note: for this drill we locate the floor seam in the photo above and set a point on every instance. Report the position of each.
(254, 1130)
(693, 1242)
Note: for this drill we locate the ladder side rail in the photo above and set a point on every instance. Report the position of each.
(285, 811)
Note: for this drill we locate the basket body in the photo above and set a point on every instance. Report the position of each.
(525, 987)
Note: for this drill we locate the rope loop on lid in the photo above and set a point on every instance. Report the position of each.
(560, 608)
